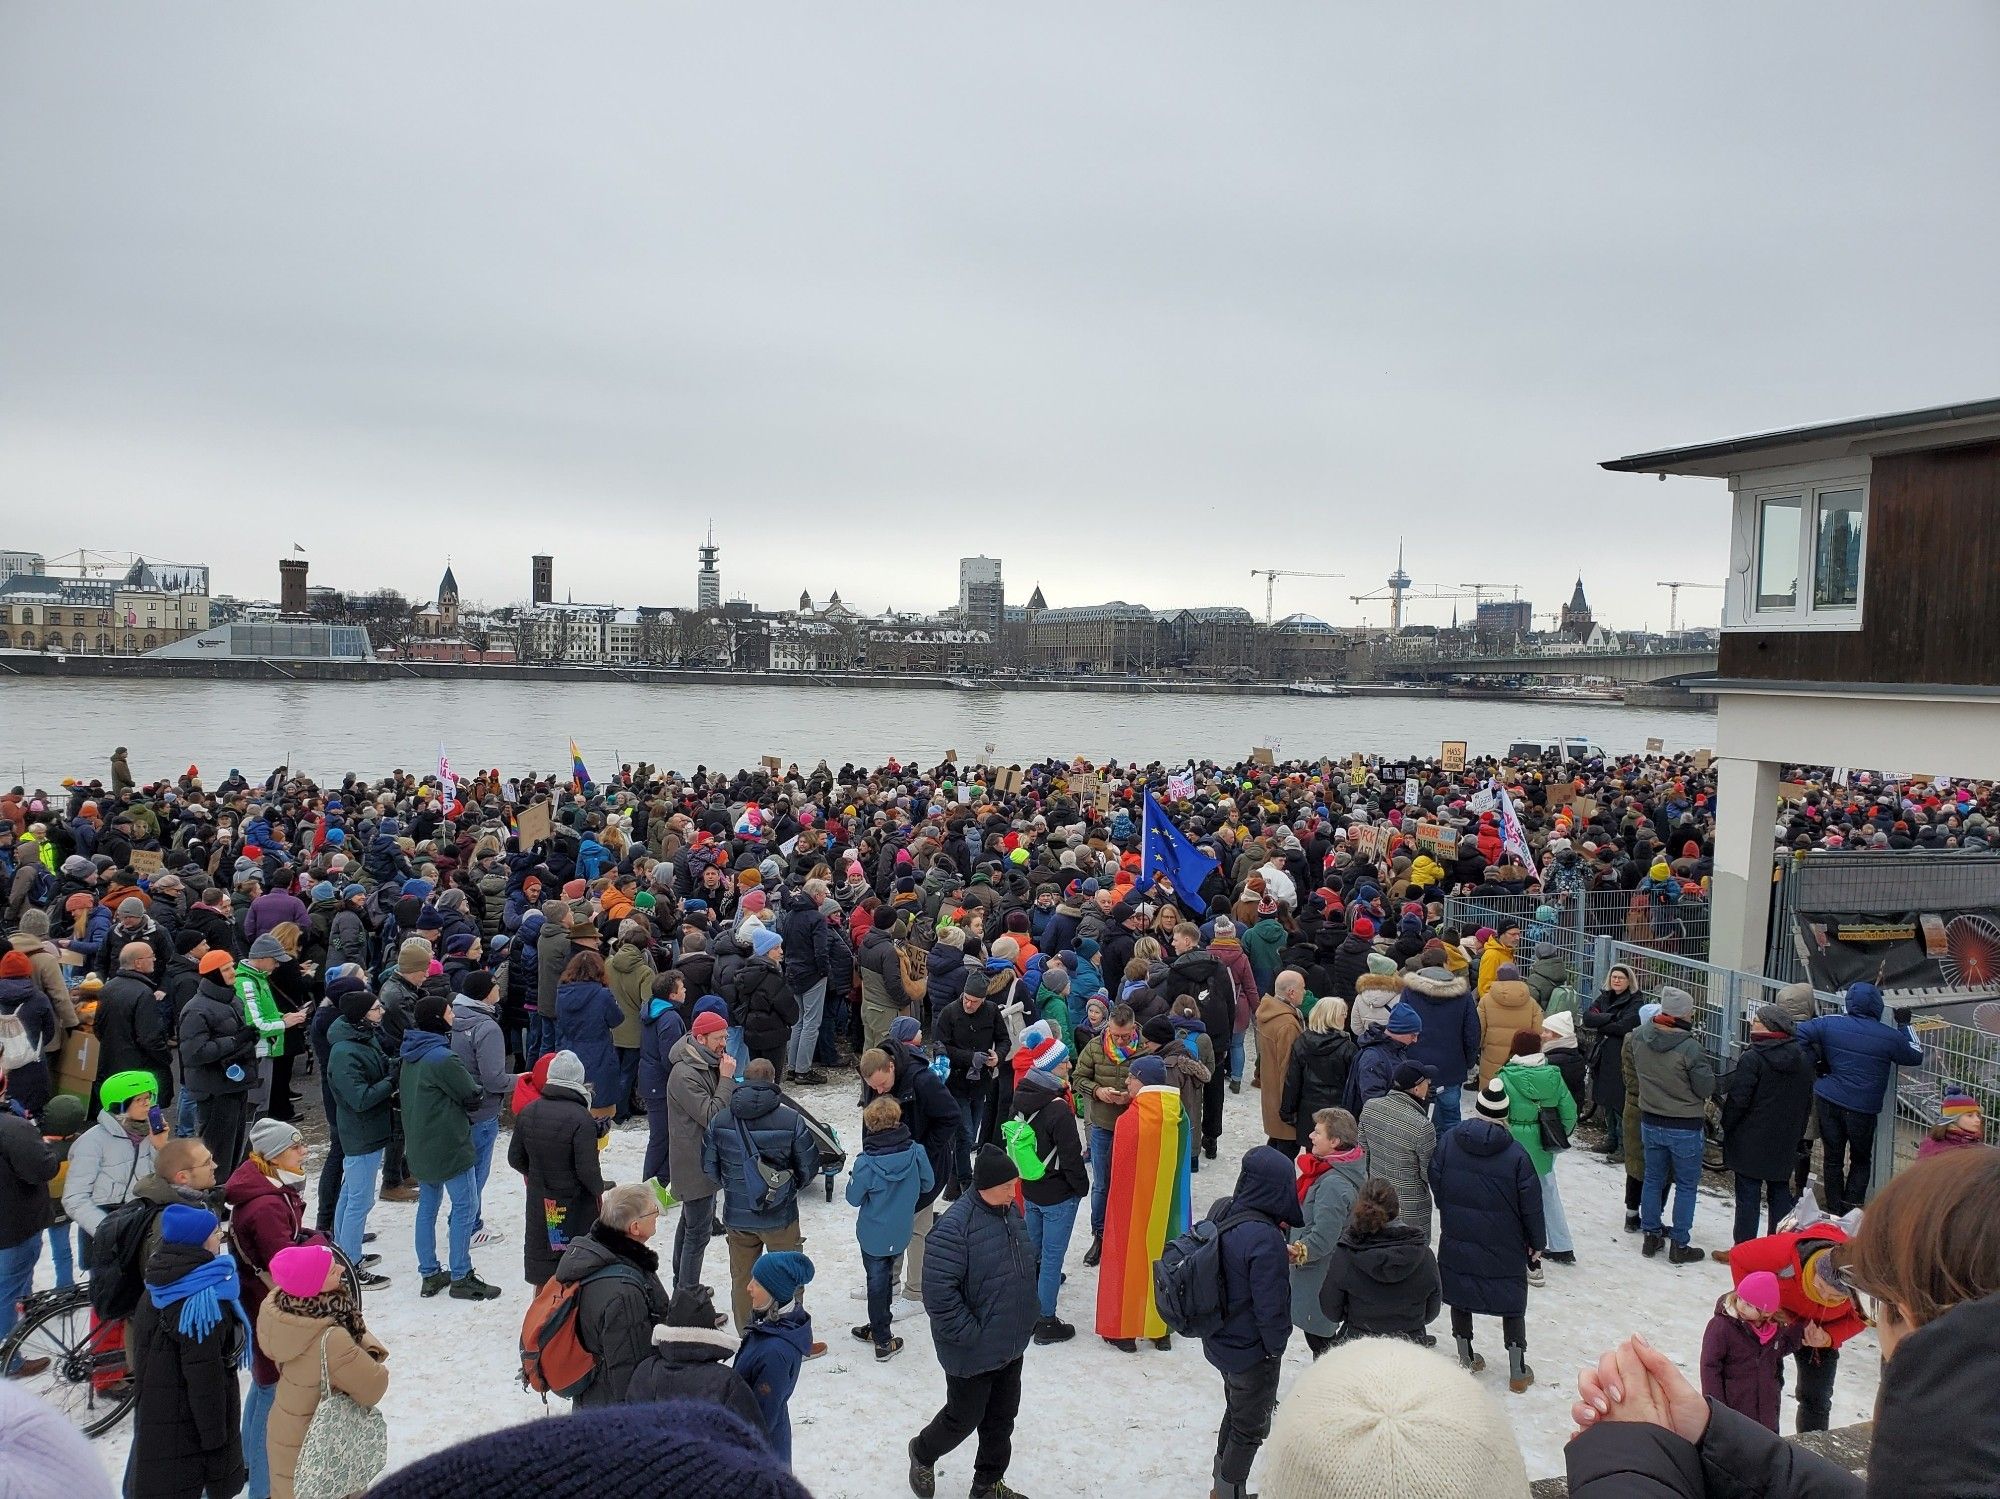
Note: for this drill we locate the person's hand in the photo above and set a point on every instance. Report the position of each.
(1107, 1095)
(160, 1137)
(1297, 1252)
(1636, 1382)
(727, 1065)
(297, 1017)
(1817, 1336)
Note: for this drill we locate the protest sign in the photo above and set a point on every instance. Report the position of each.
(532, 826)
(1453, 756)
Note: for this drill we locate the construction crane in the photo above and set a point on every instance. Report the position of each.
(1271, 576)
(1397, 589)
(1480, 590)
(1674, 601)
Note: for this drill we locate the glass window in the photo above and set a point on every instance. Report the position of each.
(1778, 553)
(1837, 549)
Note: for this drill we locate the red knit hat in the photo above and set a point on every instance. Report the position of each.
(1363, 927)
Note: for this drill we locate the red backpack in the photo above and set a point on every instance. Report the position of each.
(553, 1358)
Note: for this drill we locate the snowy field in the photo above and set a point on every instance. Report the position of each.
(1138, 1424)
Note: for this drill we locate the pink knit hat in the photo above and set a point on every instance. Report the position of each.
(300, 1270)
(1759, 1289)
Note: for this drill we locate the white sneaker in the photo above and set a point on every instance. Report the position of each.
(489, 1236)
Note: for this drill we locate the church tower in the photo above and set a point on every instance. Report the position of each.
(1576, 620)
(448, 603)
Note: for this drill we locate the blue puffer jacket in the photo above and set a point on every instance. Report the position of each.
(1859, 1051)
(1489, 1205)
(773, 1349)
(663, 1028)
(886, 1180)
(586, 1015)
(778, 1135)
(592, 859)
(385, 860)
(979, 1286)
(1256, 1268)
(1450, 1042)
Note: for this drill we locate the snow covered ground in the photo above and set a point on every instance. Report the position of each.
(1121, 1423)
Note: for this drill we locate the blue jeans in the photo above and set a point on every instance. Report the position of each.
(60, 1246)
(357, 1195)
(1555, 1221)
(540, 1035)
(257, 1403)
(17, 1279)
(1048, 1235)
(464, 1192)
(483, 1136)
(1752, 1193)
(1447, 1106)
(1100, 1176)
(1236, 1057)
(881, 1272)
(1671, 1154)
(805, 1035)
(187, 1122)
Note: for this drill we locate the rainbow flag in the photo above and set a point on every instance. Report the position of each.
(1148, 1205)
(577, 772)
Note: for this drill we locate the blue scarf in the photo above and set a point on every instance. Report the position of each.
(203, 1292)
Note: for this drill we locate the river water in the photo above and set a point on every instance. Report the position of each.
(53, 728)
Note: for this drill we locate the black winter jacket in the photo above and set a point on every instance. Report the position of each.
(1256, 1266)
(1381, 1285)
(979, 1287)
(132, 1032)
(1053, 1116)
(554, 1145)
(1197, 974)
(1764, 1115)
(214, 1037)
(929, 1113)
(188, 1426)
(1350, 961)
(1316, 1076)
(615, 1313)
(763, 1004)
(965, 1038)
(692, 1363)
(27, 1166)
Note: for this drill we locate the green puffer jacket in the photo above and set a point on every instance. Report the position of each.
(438, 1098)
(1532, 1085)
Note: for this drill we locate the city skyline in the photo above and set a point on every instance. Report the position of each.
(1320, 279)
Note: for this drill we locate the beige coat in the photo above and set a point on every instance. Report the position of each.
(1278, 1029)
(48, 977)
(1508, 1007)
(355, 1370)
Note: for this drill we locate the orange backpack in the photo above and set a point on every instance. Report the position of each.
(553, 1358)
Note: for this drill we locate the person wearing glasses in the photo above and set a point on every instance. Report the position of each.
(1924, 1271)
(622, 1300)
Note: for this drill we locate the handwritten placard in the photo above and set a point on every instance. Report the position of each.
(1452, 756)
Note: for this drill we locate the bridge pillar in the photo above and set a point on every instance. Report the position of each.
(1739, 926)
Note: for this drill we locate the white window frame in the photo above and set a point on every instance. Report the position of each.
(1809, 483)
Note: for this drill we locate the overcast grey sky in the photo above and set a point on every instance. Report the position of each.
(1135, 297)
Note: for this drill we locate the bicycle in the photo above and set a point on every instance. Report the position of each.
(86, 1377)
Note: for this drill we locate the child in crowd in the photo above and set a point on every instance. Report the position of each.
(777, 1341)
(1744, 1350)
(1959, 1124)
(62, 1121)
(889, 1176)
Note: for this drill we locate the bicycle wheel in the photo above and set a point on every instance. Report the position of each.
(84, 1374)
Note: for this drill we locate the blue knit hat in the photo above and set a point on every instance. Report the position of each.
(181, 1224)
(322, 891)
(1150, 1071)
(677, 1447)
(782, 1272)
(1405, 1021)
(904, 1029)
(762, 940)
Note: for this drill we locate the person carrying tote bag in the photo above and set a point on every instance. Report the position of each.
(326, 1438)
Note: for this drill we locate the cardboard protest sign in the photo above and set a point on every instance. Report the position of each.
(1702, 758)
(1792, 791)
(146, 863)
(1436, 839)
(1452, 756)
(1561, 793)
(1655, 745)
(1412, 789)
(1585, 808)
(532, 826)
(1262, 756)
(773, 764)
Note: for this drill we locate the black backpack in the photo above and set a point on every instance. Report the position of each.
(118, 1259)
(1187, 1278)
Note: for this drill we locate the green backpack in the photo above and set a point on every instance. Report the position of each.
(1017, 1137)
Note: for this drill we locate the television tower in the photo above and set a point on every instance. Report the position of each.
(708, 581)
(1399, 583)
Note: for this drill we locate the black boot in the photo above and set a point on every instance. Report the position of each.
(1096, 1251)
(1053, 1330)
(1652, 1245)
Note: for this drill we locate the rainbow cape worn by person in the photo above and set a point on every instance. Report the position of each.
(1147, 1205)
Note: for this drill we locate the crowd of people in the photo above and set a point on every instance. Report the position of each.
(1042, 1026)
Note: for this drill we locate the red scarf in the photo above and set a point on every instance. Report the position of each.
(1312, 1167)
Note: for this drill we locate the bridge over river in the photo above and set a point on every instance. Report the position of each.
(1667, 668)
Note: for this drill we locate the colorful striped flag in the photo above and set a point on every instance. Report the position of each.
(577, 771)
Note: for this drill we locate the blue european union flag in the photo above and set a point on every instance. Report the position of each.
(1165, 849)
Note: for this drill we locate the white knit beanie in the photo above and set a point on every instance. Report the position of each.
(1379, 1418)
